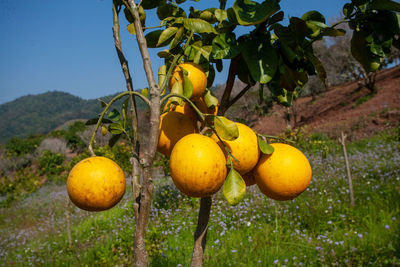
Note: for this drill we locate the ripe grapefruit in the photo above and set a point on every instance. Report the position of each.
(96, 184)
(284, 174)
(198, 166)
(195, 74)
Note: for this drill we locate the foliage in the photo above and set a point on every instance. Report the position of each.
(120, 153)
(16, 147)
(51, 164)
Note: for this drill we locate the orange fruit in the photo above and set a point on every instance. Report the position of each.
(244, 149)
(195, 74)
(249, 178)
(201, 105)
(284, 174)
(197, 165)
(185, 109)
(173, 126)
(96, 184)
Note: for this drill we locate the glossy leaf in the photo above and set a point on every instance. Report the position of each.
(114, 115)
(169, 10)
(150, 4)
(145, 92)
(261, 59)
(264, 146)
(198, 25)
(385, 5)
(177, 88)
(187, 85)
(210, 100)
(178, 37)
(94, 121)
(234, 188)
(250, 12)
(226, 129)
(224, 46)
(113, 140)
(152, 38)
(363, 54)
(221, 14)
(116, 128)
(166, 36)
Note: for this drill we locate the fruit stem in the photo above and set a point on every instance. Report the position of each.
(199, 113)
(106, 108)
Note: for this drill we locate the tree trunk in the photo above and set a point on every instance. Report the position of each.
(200, 236)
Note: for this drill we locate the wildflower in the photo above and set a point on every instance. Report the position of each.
(276, 261)
(387, 226)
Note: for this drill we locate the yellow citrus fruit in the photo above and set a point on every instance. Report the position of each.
(173, 126)
(96, 184)
(284, 174)
(186, 109)
(202, 106)
(197, 165)
(244, 148)
(195, 74)
(249, 178)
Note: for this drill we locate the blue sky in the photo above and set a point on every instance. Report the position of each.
(49, 45)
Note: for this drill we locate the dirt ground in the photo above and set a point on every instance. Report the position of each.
(341, 108)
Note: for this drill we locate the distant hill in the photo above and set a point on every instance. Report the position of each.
(39, 114)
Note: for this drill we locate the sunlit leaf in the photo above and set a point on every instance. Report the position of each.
(116, 128)
(224, 46)
(198, 25)
(210, 100)
(226, 129)
(114, 115)
(145, 92)
(178, 37)
(187, 84)
(250, 12)
(131, 29)
(166, 36)
(264, 146)
(234, 188)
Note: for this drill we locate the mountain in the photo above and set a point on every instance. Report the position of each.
(39, 114)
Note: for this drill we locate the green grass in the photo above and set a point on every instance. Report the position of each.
(318, 228)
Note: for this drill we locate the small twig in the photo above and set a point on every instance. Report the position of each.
(342, 140)
(238, 96)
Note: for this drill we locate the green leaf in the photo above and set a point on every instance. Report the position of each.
(114, 115)
(234, 188)
(348, 10)
(319, 67)
(152, 38)
(198, 26)
(210, 100)
(166, 36)
(116, 128)
(264, 146)
(125, 106)
(187, 84)
(113, 140)
(226, 129)
(162, 75)
(169, 10)
(276, 18)
(362, 53)
(94, 121)
(208, 15)
(177, 88)
(385, 5)
(195, 51)
(224, 46)
(222, 4)
(221, 14)
(178, 37)
(250, 13)
(313, 16)
(150, 4)
(261, 59)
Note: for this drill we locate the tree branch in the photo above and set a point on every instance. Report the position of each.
(238, 96)
(229, 86)
(140, 253)
(132, 102)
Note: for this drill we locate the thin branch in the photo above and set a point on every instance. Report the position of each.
(238, 96)
(229, 85)
(135, 140)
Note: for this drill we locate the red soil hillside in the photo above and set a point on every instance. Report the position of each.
(343, 108)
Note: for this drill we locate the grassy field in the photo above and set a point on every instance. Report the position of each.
(319, 228)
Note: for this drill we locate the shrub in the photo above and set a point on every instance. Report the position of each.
(17, 146)
(51, 163)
